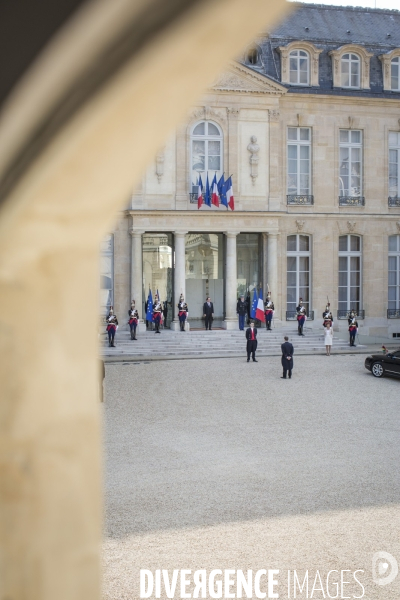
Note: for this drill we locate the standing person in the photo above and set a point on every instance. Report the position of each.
(251, 337)
(353, 326)
(241, 311)
(157, 313)
(327, 316)
(112, 324)
(301, 316)
(328, 338)
(287, 357)
(269, 311)
(133, 320)
(165, 312)
(183, 312)
(208, 313)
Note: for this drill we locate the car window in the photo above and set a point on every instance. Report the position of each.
(397, 354)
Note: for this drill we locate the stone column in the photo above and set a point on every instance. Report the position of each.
(179, 276)
(272, 272)
(265, 264)
(137, 272)
(231, 320)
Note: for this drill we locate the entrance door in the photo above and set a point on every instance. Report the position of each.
(204, 253)
(157, 272)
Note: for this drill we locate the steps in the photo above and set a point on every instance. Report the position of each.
(205, 344)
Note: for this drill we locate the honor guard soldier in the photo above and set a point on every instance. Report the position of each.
(269, 311)
(183, 312)
(241, 311)
(112, 324)
(327, 316)
(353, 326)
(301, 316)
(133, 320)
(157, 313)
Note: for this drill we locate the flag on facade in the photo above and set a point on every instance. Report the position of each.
(222, 191)
(214, 191)
(260, 313)
(207, 197)
(149, 313)
(229, 194)
(253, 309)
(200, 193)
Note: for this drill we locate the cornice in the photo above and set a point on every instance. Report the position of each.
(241, 79)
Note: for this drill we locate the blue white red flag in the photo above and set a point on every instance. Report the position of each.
(149, 313)
(214, 193)
(229, 194)
(253, 309)
(207, 197)
(260, 314)
(222, 191)
(200, 193)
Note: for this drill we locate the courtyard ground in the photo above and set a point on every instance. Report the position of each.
(220, 464)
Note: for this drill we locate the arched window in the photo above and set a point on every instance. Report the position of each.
(395, 74)
(206, 153)
(253, 56)
(394, 273)
(298, 260)
(350, 70)
(350, 285)
(299, 64)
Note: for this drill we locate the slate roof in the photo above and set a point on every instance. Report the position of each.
(328, 28)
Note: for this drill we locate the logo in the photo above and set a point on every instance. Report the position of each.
(384, 568)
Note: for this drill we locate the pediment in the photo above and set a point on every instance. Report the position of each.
(238, 78)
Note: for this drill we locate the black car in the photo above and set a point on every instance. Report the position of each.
(384, 364)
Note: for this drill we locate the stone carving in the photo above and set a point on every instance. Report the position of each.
(205, 112)
(160, 158)
(351, 122)
(351, 225)
(336, 65)
(240, 78)
(253, 148)
(399, 122)
(398, 226)
(300, 225)
(299, 119)
(315, 61)
(232, 112)
(274, 116)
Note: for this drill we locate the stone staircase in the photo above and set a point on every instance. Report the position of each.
(204, 344)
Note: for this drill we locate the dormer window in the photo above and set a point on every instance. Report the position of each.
(350, 70)
(395, 74)
(253, 57)
(391, 70)
(299, 63)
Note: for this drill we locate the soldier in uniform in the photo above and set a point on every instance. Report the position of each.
(269, 311)
(133, 320)
(112, 324)
(353, 326)
(182, 312)
(157, 313)
(241, 311)
(327, 316)
(301, 316)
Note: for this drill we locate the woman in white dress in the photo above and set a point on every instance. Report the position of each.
(328, 339)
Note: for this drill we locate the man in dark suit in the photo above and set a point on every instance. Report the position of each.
(287, 357)
(208, 313)
(251, 337)
(241, 310)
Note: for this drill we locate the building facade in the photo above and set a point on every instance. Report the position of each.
(307, 122)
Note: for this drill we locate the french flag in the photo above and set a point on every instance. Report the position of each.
(214, 188)
(260, 314)
(229, 194)
(200, 194)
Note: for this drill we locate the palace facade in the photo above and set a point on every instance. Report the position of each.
(307, 122)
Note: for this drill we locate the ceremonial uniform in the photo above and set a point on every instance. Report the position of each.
(157, 314)
(241, 311)
(269, 311)
(301, 316)
(353, 327)
(112, 324)
(182, 312)
(327, 316)
(133, 320)
(251, 347)
(287, 358)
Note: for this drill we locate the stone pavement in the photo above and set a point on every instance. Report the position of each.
(220, 464)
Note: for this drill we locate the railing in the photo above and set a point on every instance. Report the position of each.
(302, 200)
(291, 315)
(393, 313)
(344, 314)
(351, 201)
(394, 201)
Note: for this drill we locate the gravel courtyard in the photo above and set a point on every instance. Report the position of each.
(220, 464)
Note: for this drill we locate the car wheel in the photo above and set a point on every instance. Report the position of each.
(377, 369)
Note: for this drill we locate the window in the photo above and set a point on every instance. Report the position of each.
(394, 150)
(299, 161)
(298, 271)
(350, 163)
(253, 57)
(350, 71)
(206, 158)
(394, 273)
(299, 64)
(350, 273)
(107, 273)
(395, 74)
